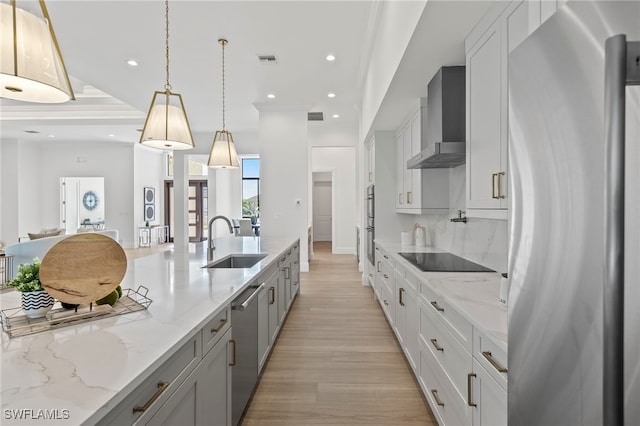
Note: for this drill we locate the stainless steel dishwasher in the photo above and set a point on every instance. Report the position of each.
(244, 321)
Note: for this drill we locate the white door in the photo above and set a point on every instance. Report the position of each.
(322, 211)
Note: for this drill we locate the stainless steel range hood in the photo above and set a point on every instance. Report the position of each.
(445, 121)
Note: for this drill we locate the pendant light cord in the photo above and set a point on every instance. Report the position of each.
(223, 42)
(167, 86)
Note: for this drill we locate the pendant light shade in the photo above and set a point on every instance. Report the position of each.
(223, 151)
(31, 65)
(166, 125)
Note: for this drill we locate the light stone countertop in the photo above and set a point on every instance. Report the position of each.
(89, 368)
(473, 294)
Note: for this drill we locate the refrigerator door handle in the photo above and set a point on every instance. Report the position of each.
(622, 68)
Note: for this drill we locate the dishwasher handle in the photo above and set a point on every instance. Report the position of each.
(244, 305)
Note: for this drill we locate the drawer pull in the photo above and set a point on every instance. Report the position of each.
(379, 266)
(434, 392)
(162, 386)
(400, 293)
(386, 276)
(435, 344)
(272, 292)
(470, 402)
(385, 256)
(493, 362)
(438, 308)
(386, 302)
(222, 323)
(233, 358)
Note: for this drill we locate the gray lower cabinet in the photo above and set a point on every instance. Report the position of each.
(204, 398)
(268, 319)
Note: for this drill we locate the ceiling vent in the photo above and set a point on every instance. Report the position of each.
(267, 59)
(315, 116)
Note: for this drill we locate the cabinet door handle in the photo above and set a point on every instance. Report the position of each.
(434, 392)
(272, 293)
(493, 186)
(470, 402)
(400, 293)
(500, 194)
(386, 302)
(222, 323)
(400, 198)
(435, 305)
(233, 358)
(435, 344)
(379, 266)
(286, 272)
(385, 256)
(162, 386)
(493, 362)
(386, 276)
(409, 198)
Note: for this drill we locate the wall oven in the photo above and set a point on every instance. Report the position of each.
(370, 224)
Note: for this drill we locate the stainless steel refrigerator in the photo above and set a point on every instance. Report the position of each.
(574, 253)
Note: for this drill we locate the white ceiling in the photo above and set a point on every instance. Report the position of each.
(97, 37)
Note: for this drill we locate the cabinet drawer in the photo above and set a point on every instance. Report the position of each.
(454, 359)
(445, 402)
(387, 303)
(455, 323)
(158, 387)
(214, 329)
(491, 357)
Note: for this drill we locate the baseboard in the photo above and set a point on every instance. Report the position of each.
(343, 250)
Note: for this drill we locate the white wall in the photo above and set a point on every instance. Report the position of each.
(284, 176)
(149, 169)
(390, 42)
(340, 161)
(9, 190)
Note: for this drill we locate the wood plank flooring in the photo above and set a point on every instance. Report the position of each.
(336, 361)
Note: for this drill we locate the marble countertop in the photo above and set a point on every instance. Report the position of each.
(88, 369)
(473, 294)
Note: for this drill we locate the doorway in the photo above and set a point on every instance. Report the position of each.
(198, 211)
(322, 206)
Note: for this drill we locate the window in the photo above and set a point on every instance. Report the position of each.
(250, 187)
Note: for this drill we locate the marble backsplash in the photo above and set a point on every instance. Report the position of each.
(483, 241)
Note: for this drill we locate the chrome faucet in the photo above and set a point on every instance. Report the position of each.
(210, 246)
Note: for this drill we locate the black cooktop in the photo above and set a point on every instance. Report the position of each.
(443, 262)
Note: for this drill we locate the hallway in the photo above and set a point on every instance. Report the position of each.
(336, 361)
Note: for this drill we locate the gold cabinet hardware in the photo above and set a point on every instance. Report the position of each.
(233, 358)
(434, 392)
(500, 194)
(435, 344)
(222, 323)
(286, 272)
(400, 294)
(493, 362)
(493, 186)
(272, 294)
(470, 402)
(435, 305)
(162, 386)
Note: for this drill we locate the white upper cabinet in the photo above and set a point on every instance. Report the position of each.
(488, 47)
(418, 191)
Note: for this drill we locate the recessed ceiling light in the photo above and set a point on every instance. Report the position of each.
(336, 115)
(271, 96)
(132, 62)
(331, 95)
(331, 58)
(52, 136)
(111, 135)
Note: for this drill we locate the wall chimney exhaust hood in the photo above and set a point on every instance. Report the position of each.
(445, 121)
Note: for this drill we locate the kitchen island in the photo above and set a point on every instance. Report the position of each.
(79, 374)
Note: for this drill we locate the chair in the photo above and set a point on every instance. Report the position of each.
(245, 228)
(236, 226)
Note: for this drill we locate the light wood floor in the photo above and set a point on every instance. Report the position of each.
(336, 361)
(135, 253)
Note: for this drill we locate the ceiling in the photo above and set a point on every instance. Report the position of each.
(97, 37)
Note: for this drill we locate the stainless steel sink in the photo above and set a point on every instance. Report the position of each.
(237, 261)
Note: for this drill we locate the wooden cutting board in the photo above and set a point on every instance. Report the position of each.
(83, 268)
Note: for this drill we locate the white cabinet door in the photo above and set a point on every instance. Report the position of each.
(263, 325)
(484, 121)
(407, 173)
(400, 166)
(489, 398)
(415, 198)
(412, 327)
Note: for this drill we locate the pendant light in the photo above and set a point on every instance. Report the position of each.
(31, 65)
(223, 151)
(166, 126)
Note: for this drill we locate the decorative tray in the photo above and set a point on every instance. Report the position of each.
(15, 323)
